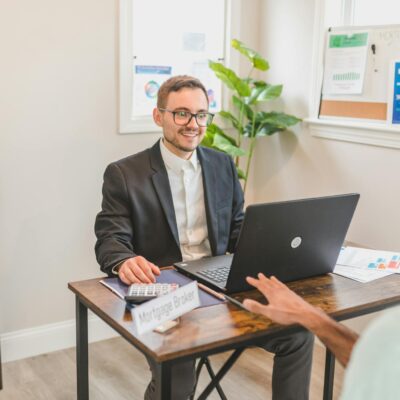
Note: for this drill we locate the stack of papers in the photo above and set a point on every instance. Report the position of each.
(365, 265)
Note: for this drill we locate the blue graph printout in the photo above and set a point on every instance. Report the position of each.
(396, 94)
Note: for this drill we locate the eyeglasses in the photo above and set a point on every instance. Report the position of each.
(183, 118)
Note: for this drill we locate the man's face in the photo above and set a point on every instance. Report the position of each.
(182, 140)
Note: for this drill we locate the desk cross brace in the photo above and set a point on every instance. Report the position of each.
(214, 384)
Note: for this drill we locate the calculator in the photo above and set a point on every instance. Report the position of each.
(140, 292)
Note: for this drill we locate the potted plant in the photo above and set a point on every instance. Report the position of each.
(247, 118)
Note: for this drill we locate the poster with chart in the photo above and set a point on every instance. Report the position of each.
(179, 35)
(148, 79)
(345, 63)
(344, 77)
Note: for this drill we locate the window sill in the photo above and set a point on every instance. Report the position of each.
(375, 134)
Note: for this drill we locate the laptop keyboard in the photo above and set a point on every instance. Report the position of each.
(218, 275)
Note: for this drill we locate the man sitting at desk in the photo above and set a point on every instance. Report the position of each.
(374, 367)
(176, 201)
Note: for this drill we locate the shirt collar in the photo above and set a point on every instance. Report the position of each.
(176, 163)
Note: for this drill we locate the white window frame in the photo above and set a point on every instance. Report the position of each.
(377, 134)
(129, 124)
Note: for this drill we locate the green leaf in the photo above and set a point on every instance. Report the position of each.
(208, 139)
(240, 173)
(278, 119)
(248, 129)
(217, 139)
(255, 92)
(255, 58)
(222, 143)
(214, 129)
(229, 116)
(267, 130)
(265, 93)
(270, 123)
(230, 79)
(238, 103)
(259, 83)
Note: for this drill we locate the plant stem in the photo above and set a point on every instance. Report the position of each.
(251, 150)
(249, 157)
(241, 116)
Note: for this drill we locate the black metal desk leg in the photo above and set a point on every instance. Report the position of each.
(329, 375)
(82, 360)
(163, 377)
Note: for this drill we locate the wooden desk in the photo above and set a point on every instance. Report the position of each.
(223, 327)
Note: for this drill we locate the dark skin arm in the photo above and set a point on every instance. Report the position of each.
(286, 307)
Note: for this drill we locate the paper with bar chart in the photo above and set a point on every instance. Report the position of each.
(370, 259)
(345, 63)
(366, 265)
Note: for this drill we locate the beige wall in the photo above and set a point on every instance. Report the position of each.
(58, 130)
(295, 165)
(58, 125)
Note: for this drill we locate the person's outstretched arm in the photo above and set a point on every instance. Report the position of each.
(286, 307)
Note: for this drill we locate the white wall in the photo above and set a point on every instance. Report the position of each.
(58, 125)
(295, 164)
(58, 105)
(58, 131)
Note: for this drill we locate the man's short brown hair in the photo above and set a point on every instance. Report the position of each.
(175, 84)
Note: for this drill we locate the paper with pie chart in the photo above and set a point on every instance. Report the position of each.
(147, 81)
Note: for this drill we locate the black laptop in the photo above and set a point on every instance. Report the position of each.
(291, 240)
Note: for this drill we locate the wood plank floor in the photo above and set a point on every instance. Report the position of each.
(119, 372)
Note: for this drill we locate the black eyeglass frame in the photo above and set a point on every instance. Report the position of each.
(210, 117)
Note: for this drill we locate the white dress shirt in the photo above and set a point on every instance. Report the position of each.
(186, 181)
(374, 368)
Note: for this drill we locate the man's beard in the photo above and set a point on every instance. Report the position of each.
(174, 142)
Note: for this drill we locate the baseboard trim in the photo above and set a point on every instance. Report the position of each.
(47, 338)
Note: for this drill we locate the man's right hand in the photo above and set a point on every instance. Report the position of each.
(138, 270)
(284, 306)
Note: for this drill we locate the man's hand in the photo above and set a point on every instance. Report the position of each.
(138, 270)
(285, 307)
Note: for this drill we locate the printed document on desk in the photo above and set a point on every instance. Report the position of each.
(363, 275)
(370, 259)
(364, 265)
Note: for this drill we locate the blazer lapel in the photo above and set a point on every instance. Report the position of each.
(210, 188)
(163, 189)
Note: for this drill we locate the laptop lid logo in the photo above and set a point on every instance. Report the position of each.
(296, 242)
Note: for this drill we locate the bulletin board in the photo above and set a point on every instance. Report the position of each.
(370, 100)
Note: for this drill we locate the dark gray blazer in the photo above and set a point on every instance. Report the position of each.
(138, 217)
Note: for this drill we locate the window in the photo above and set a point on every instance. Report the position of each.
(360, 12)
(159, 39)
(349, 13)
(373, 12)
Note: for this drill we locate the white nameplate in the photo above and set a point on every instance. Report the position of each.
(165, 308)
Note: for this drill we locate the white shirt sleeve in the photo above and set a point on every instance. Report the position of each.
(374, 369)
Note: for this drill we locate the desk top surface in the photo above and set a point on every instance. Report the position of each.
(221, 327)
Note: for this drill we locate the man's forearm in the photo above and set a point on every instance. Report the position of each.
(335, 336)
